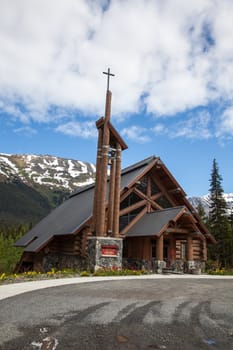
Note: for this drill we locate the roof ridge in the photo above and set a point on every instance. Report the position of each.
(124, 171)
(139, 164)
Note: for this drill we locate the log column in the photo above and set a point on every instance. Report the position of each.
(101, 199)
(189, 248)
(159, 264)
(97, 180)
(159, 248)
(111, 196)
(148, 192)
(116, 211)
(204, 249)
(172, 249)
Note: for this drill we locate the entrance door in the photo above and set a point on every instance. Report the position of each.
(166, 250)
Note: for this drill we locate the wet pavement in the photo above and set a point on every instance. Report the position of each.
(171, 313)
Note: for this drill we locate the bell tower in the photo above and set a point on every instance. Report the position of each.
(106, 203)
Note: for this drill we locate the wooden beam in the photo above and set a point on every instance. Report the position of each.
(177, 230)
(156, 196)
(162, 188)
(148, 193)
(133, 207)
(146, 171)
(133, 222)
(126, 194)
(155, 205)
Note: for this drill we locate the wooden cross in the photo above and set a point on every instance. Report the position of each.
(108, 74)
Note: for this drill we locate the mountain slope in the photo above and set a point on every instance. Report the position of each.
(31, 186)
(21, 204)
(53, 172)
(204, 200)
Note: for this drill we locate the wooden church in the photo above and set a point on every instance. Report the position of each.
(135, 218)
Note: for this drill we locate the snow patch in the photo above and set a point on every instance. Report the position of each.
(84, 166)
(9, 163)
(93, 167)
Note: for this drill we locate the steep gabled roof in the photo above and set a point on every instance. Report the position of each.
(153, 224)
(71, 215)
(74, 213)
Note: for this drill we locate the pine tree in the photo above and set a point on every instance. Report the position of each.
(201, 212)
(218, 221)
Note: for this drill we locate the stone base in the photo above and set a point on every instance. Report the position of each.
(194, 267)
(158, 266)
(104, 252)
(59, 261)
(136, 264)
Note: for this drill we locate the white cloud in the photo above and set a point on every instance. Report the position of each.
(178, 53)
(84, 130)
(192, 127)
(159, 129)
(136, 134)
(226, 123)
(195, 127)
(26, 130)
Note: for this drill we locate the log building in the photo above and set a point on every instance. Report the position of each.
(137, 218)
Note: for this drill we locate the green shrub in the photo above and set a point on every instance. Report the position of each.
(85, 274)
(117, 272)
(220, 272)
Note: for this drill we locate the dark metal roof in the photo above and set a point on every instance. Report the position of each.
(127, 174)
(74, 212)
(151, 224)
(65, 219)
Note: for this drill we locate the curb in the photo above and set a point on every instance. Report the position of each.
(10, 290)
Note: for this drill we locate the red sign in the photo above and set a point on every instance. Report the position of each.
(109, 250)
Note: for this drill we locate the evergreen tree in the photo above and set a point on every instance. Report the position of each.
(202, 213)
(231, 237)
(218, 221)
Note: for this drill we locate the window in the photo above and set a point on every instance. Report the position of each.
(154, 188)
(163, 202)
(130, 200)
(153, 248)
(142, 185)
(127, 218)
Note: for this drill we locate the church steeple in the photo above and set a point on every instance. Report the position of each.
(110, 145)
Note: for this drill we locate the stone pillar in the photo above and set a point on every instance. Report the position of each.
(159, 262)
(104, 252)
(117, 192)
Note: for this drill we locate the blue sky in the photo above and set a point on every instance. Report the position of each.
(172, 90)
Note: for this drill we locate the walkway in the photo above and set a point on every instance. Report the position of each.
(9, 290)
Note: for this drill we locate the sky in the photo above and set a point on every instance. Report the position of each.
(172, 89)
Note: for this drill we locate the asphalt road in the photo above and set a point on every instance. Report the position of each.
(172, 314)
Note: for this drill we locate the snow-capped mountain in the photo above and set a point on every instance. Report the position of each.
(205, 201)
(53, 172)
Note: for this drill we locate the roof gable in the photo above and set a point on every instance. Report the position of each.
(154, 223)
(73, 213)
